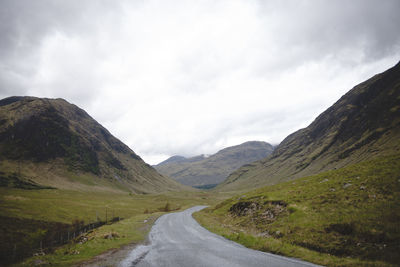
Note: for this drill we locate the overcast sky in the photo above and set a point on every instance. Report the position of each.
(191, 77)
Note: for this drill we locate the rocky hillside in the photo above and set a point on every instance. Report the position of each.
(52, 143)
(363, 124)
(204, 171)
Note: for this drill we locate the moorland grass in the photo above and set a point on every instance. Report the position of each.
(64, 206)
(345, 217)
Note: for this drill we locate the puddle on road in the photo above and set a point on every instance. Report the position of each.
(135, 256)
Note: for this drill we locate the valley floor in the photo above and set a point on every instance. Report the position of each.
(344, 217)
(34, 219)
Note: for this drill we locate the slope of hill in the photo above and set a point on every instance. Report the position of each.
(344, 217)
(52, 143)
(203, 171)
(362, 125)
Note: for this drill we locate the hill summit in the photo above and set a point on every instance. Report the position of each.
(54, 143)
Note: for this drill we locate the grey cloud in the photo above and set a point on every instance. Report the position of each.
(141, 66)
(313, 30)
(25, 24)
(267, 126)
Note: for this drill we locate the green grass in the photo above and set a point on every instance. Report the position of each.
(27, 215)
(132, 230)
(346, 217)
(64, 206)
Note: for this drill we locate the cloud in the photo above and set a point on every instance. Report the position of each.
(178, 77)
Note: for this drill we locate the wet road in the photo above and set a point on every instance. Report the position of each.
(176, 239)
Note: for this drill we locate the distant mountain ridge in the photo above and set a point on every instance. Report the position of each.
(363, 124)
(204, 170)
(55, 143)
(181, 159)
(173, 159)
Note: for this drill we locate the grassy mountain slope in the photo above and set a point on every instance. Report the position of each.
(200, 170)
(54, 143)
(59, 166)
(345, 217)
(362, 125)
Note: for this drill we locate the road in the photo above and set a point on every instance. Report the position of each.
(176, 239)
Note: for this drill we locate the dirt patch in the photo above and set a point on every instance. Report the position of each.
(10, 197)
(272, 210)
(266, 212)
(244, 208)
(111, 235)
(111, 257)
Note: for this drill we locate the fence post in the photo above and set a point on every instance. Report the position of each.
(14, 252)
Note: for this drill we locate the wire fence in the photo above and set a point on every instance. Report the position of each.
(46, 239)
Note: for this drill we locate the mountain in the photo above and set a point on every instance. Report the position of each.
(173, 159)
(202, 171)
(363, 124)
(180, 159)
(52, 143)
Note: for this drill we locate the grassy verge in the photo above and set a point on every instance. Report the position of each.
(132, 230)
(27, 215)
(345, 217)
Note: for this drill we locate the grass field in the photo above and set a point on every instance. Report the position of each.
(27, 215)
(65, 206)
(345, 217)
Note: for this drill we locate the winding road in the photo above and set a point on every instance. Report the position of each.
(176, 239)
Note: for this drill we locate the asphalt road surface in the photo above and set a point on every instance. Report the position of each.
(176, 239)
